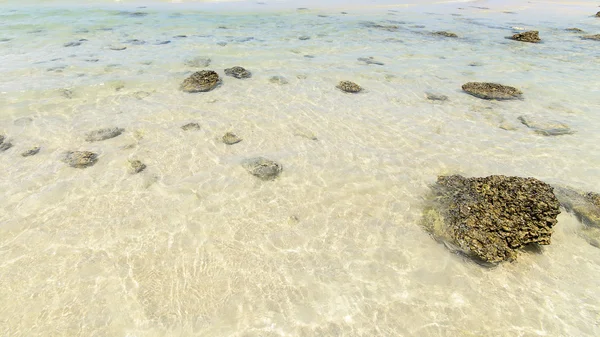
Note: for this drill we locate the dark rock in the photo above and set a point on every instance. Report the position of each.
(490, 218)
(4, 145)
(103, 134)
(595, 37)
(198, 62)
(136, 42)
(444, 34)
(278, 80)
(231, 138)
(389, 28)
(309, 56)
(136, 166)
(575, 30)
(92, 60)
(180, 36)
(238, 72)
(72, 44)
(191, 126)
(304, 38)
(598, 15)
(222, 43)
(370, 60)
(2, 137)
(79, 159)
(117, 48)
(495, 91)
(162, 42)
(262, 168)
(545, 127)
(31, 152)
(530, 36)
(66, 93)
(201, 81)
(350, 87)
(436, 97)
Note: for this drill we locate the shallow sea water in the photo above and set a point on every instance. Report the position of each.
(194, 245)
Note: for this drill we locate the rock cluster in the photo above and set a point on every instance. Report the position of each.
(489, 218)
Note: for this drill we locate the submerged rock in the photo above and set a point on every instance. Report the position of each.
(79, 159)
(238, 72)
(191, 126)
(5, 146)
(389, 28)
(117, 48)
(436, 97)
(575, 30)
(103, 134)
(370, 60)
(586, 208)
(595, 37)
(490, 218)
(351, 87)
(444, 34)
(230, 138)
(136, 166)
(598, 15)
(304, 38)
(200, 81)
(485, 90)
(278, 80)
(198, 62)
(531, 36)
(262, 168)
(72, 44)
(545, 127)
(31, 152)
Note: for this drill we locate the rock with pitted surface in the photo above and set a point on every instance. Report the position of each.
(262, 168)
(200, 81)
(136, 166)
(231, 138)
(238, 72)
(444, 34)
(595, 37)
(598, 15)
(351, 87)
(531, 36)
(191, 126)
(103, 134)
(495, 91)
(31, 152)
(545, 127)
(79, 159)
(490, 218)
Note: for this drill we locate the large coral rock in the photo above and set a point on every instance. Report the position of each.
(490, 218)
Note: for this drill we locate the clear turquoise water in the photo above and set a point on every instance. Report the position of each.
(196, 246)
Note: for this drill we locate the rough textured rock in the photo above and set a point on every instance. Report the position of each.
(595, 37)
(31, 152)
(262, 168)
(531, 36)
(350, 87)
(79, 159)
(238, 72)
(278, 80)
(545, 127)
(490, 218)
(190, 126)
(136, 166)
(444, 34)
(496, 91)
(436, 97)
(103, 134)
(200, 81)
(231, 138)
(370, 60)
(598, 15)
(198, 62)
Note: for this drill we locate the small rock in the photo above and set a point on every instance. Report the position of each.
(531, 36)
(575, 30)
(495, 91)
(545, 127)
(238, 72)
(66, 93)
(436, 97)
(309, 56)
(136, 166)
(595, 37)
(31, 152)
(370, 60)
(222, 43)
(136, 42)
(200, 81)
(103, 134)
(350, 87)
(158, 43)
(180, 36)
(92, 60)
(4, 145)
(79, 159)
(117, 48)
(141, 94)
(191, 126)
(598, 15)
(198, 62)
(262, 168)
(278, 80)
(72, 44)
(2, 137)
(304, 38)
(444, 34)
(230, 138)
